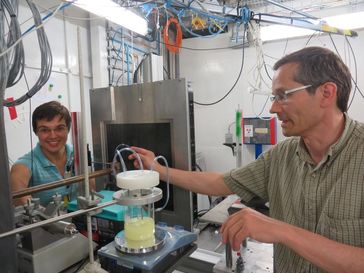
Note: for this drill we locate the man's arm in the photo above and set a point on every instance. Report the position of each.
(19, 176)
(327, 254)
(200, 182)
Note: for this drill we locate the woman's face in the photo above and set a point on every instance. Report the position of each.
(52, 134)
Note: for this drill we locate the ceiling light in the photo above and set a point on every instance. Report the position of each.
(114, 13)
(347, 21)
(344, 21)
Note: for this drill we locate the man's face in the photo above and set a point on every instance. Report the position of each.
(52, 134)
(300, 111)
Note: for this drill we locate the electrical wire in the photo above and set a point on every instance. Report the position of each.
(257, 69)
(4, 62)
(167, 72)
(135, 76)
(311, 36)
(258, 77)
(355, 64)
(27, 33)
(122, 55)
(356, 74)
(46, 56)
(16, 56)
(236, 81)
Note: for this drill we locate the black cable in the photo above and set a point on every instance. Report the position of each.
(266, 70)
(202, 212)
(167, 72)
(135, 76)
(285, 47)
(356, 73)
(232, 88)
(16, 55)
(46, 58)
(198, 167)
(355, 64)
(333, 43)
(311, 36)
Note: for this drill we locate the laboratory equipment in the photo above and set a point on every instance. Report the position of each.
(138, 193)
(142, 244)
(259, 132)
(106, 224)
(59, 244)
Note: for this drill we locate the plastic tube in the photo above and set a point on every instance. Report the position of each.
(152, 168)
(123, 166)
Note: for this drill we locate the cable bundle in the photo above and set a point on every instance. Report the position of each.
(12, 63)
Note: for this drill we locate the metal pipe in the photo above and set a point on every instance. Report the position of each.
(84, 164)
(228, 256)
(59, 183)
(56, 219)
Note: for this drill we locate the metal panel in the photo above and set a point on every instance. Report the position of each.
(157, 102)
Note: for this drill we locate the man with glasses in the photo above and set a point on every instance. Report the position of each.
(51, 159)
(313, 180)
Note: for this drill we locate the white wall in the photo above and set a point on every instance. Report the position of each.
(62, 36)
(212, 73)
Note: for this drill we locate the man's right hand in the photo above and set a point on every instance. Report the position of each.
(146, 156)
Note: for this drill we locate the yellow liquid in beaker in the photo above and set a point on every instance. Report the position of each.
(139, 232)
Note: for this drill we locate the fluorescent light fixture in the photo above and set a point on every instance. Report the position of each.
(276, 32)
(114, 13)
(344, 21)
(347, 21)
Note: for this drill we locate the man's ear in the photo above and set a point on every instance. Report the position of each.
(329, 93)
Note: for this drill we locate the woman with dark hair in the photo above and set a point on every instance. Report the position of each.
(51, 159)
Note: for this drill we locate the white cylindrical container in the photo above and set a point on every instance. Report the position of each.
(137, 179)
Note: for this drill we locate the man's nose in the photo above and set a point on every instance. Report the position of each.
(275, 107)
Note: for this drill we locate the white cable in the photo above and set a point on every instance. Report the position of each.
(256, 89)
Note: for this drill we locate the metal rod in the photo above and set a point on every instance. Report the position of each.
(228, 256)
(84, 146)
(59, 183)
(56, 219)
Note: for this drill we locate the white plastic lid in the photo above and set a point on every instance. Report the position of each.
(137, 179)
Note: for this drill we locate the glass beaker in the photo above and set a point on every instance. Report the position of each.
(139, 222)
